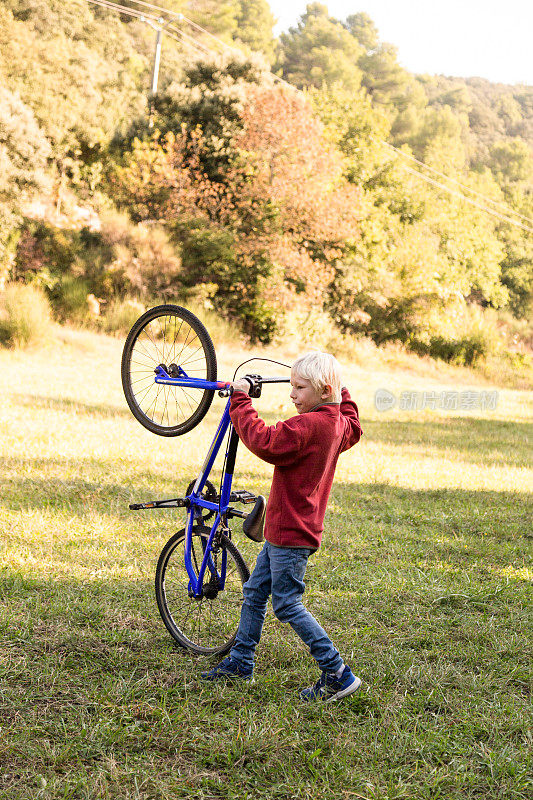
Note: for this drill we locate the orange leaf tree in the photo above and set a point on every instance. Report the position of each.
(270, 229)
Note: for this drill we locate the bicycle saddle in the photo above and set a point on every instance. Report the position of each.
(255, 520)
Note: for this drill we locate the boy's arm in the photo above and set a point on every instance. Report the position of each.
(277, 444)
(350, 413)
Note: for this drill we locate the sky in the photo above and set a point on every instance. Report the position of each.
(490, 39)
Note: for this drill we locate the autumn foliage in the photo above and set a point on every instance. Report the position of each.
(256, 197)
(275, 224)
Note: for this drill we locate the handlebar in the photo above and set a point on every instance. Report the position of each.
(176, 376)
(256, 382)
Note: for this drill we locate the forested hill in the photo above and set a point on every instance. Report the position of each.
(254, 197)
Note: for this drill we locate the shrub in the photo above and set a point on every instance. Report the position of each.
(120, 259)
(221, 327)
(314, 328)
(142, 260)
(24, 315)
(70, 300)
(121, 315)
(518, 333)
(468, 336)
(466, 350)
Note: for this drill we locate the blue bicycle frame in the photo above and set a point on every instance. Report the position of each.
(197, 502)
(194, 500)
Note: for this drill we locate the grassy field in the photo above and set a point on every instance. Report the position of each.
(424, 582)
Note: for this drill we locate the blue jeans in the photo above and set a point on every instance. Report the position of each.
(280, 571)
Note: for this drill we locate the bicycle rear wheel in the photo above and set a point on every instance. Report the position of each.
(170, 336)
(207, 626)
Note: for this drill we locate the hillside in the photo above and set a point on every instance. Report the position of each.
(206, 192)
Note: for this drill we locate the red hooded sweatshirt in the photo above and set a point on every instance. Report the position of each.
(304, 450)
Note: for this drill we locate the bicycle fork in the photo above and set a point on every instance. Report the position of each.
(196, 582)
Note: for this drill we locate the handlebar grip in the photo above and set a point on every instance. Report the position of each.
(255, 383)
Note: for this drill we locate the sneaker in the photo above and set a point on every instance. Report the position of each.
(328, 687)
(228, 669)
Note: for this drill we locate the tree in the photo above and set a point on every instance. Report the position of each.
(219, 18)
(254, 27)
(457, 98)
(417, 252)
(273, 225)
(510, 162)
(439, 140)
(23, 154)
(516, 267)
(320, 52)
(357, 128)
(363, 29)
(209, 99)
(300, 175)
(79, 74)
(384, 79)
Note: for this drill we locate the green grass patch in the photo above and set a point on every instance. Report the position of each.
(424, 582)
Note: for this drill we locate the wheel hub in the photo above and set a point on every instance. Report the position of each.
(211, 589)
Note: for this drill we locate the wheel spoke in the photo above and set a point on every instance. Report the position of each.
(184, 345)
(164, 335)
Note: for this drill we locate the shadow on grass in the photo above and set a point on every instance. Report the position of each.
(477, 440)
(79, 486)
(63, 486)
(92, 685)
(479, 532)
(435, 512)
(110, 628)
(472, 439)
(65, 489)
(68, 405)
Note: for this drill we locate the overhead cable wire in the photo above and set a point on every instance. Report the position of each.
(234, 50)
(172, 30)
(503, 206)
(204, 47)
(131, 12)
(160, 9)
(155, 22)
(181, 17)
(465, 198)
(211, 35)
(198, 27)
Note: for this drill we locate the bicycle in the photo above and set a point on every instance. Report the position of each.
(169, 377)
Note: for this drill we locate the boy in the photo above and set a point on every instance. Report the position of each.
(304, 450)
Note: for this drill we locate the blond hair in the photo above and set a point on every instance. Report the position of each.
(320, 369)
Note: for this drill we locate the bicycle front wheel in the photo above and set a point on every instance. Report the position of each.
(206, 626)
(174, 338)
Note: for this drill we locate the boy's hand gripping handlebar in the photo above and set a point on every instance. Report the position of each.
(256, 384)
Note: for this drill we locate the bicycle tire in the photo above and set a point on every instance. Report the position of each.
(207, 626)
(164, 335)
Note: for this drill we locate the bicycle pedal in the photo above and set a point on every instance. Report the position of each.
(242, 497)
